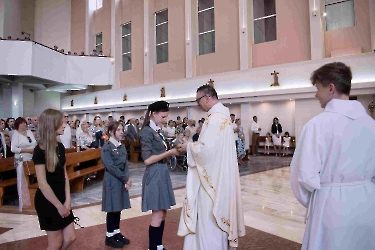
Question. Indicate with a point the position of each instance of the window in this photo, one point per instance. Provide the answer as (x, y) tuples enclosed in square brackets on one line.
[(264, 21), (126, 46), (206, 26), (161, 20), (339, 14), (99, 4), (99, 43)]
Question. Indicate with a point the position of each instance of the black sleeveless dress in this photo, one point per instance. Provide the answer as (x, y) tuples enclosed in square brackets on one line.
[(49, 217)]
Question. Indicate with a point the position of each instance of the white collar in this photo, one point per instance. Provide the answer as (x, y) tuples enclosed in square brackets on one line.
[(352, 109), (154, 126), (219, 108), (115, 142)]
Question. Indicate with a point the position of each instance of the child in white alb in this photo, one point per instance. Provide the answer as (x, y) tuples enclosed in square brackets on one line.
[(286, 143)]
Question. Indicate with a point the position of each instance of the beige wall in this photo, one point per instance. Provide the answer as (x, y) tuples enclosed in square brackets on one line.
[(28, 17), (352, 37), (52, 23), (175, 67), (102, 23), (78, 20), (132, 10), (226, 57), (293, 36)]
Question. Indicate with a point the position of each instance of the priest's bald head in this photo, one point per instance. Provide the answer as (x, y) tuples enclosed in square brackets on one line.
[(206, 97)]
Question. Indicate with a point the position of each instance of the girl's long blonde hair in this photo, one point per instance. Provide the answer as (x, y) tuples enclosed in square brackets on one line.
[(49, 121)]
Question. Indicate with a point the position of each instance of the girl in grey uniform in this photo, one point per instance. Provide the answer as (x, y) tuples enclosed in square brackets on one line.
[(157, 192), (116, 184)]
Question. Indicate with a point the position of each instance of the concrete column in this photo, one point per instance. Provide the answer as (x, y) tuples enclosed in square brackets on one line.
[(248, 6), (188, 40), (244, 47), (372, 23), (246, 122), (17, 100), (10, 21), (116, 45), (189, 112), (149, 44), (317, 29), (88, 117), (89, 34)]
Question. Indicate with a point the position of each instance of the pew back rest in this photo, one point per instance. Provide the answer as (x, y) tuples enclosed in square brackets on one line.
[(82, 156), (6, 164), (73, 159)]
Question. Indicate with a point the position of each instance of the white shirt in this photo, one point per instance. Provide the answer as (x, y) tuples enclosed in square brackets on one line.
[(78, 133), (255, 127), (66, 138), (115, 142), (154, 126), (336, 148), (170, 131), (22, 142), (234, 125)]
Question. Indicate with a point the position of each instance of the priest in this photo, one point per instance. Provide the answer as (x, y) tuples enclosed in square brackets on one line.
[(212, 216), (333, 168)]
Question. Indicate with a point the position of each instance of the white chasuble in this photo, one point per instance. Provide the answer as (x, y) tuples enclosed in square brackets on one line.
[(213, 169), (332, 174)]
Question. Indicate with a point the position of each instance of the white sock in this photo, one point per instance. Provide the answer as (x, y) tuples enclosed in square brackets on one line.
[(110, 234), (117, 231), (160, 247)]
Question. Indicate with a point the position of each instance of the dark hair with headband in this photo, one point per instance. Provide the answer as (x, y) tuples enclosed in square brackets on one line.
[(159, 106)]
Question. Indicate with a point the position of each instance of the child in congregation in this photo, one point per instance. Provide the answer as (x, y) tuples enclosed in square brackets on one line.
[(286, 143), (267, 144), (187, 137), (179, 139)]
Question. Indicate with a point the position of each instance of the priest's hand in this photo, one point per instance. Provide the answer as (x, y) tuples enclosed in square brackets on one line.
[(174, 151), (182, 147)]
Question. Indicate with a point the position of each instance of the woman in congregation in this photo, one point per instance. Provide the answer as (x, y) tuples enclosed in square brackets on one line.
[(9, 126), (179, 128), (86, 137), (74, 131), (157, 191), (276, 130), (116, 184), (240, 143), (52, 199), (23, 144), (2, 126), (98, 129), (198, 131)]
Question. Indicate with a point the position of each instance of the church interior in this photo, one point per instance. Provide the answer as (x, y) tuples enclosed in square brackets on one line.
[(112, 58)]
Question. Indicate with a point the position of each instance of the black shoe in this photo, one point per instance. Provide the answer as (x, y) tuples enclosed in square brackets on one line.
[(113, 242), (122, 238)]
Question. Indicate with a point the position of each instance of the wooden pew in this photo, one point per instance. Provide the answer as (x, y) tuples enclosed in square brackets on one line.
[(70, 150), (262, 141), (6, 164), (30, 174), (77, 178), (135, 150)]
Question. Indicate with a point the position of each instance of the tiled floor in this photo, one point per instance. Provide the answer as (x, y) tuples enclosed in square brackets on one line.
[(268, 202)]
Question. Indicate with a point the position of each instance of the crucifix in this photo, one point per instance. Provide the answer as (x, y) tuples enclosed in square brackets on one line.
[(275, 79), (162, 92), (211, 83)]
